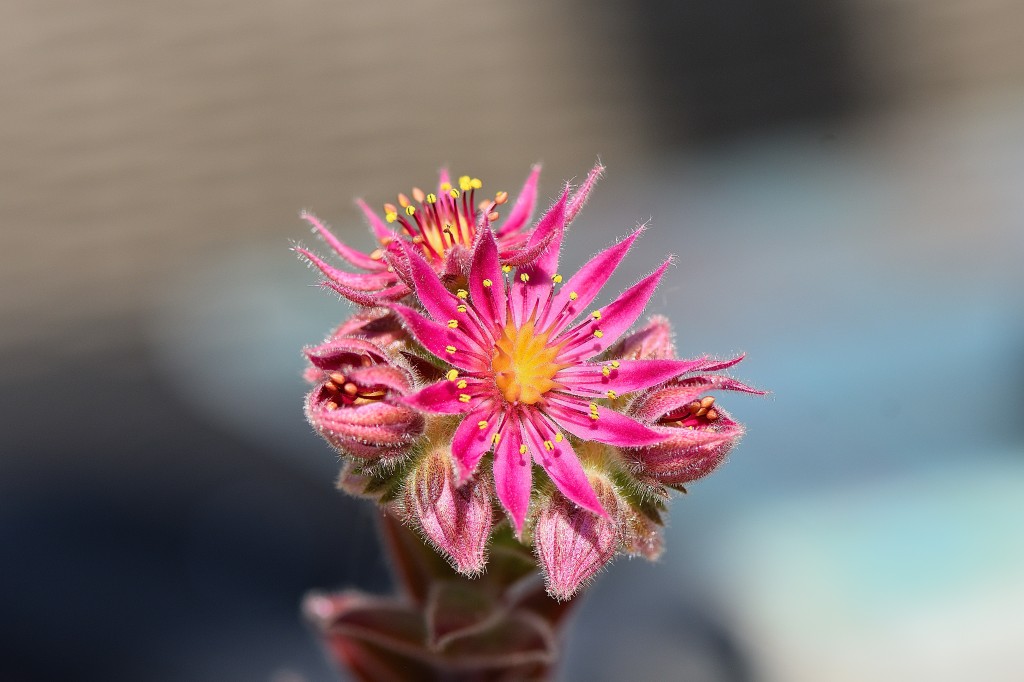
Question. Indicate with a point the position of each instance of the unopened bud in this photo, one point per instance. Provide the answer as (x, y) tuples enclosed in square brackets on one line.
[(651, 342), (572, 543), (456, 519)]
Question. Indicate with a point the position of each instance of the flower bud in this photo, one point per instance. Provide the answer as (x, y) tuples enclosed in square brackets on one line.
[(573, 543), (356, 402), (651, 342), (456, 519), (700, 432)]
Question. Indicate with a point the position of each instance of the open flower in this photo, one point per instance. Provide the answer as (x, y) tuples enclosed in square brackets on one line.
[(442, 226), (521, 369)]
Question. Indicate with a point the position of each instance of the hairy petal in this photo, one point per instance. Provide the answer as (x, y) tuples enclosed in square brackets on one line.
[(523, 208), (630, 375), (471, 442), (557, 458), (610, 427), (356, 258), (379, 227), (512, 473)]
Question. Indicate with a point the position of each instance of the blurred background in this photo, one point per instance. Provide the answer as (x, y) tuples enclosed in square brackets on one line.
[(841, 181)]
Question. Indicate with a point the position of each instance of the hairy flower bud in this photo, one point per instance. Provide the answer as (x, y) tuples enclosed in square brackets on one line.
[(653, 341), (356, 403), (456, 519), (573, 543), (701, 432)]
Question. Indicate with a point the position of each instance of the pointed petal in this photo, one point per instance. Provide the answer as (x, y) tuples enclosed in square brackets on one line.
[(562, 465), (581, 195), (454, 346), (512, 474), (470, 442), (610, 427), (614, 319), (489, 301), (529, 294), (438, 301), (369, 298), (442, 397), (360, 281), (523, 209), (630, 375), (356, 258), (586, 284), (379, 227)]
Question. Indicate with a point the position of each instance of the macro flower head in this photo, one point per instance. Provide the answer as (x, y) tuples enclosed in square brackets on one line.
[(442, 226), (521, 345)]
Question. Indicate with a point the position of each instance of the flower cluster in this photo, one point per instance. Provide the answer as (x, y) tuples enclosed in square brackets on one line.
[(480, 388)]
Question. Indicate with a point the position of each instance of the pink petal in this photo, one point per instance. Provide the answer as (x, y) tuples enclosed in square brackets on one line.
[(356, 258), (630, 375), (512, 474), (529, 296), (560, 462), (523, 209), (615, 318), (489, 301), (438, 301), (610, 427), (438, 338), (470, 442), (344, 351), (369, 298), (379, 227), (360, 281), (586, 283), (441, 397), (580, 197)]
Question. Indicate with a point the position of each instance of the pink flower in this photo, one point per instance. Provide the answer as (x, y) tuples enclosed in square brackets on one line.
[(443, 227), (700, 433), (522, 368)]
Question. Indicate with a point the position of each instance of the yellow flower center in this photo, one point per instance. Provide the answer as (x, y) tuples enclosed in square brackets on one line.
[(524, 364)]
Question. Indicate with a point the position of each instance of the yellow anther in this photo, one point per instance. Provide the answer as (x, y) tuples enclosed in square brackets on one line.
[(593, 407), (462, 293), (445, 186), (524, 277), (488, 282), (463, 397), (557, 279), (595, 416), (462, 384), (506, 269), (476, 183), (598, 333), (606, 371), (465, 184), (500, 198), (481, 424), (461, 308), (596, 314), (410, 210), (522, 449), (431, 198), (452, 374), (573, 295), (496, 438), (615, 364), (548, 445), (452, 324), (559, 438), (391, 217), (612, 395), (450, 349), (453, 193)]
